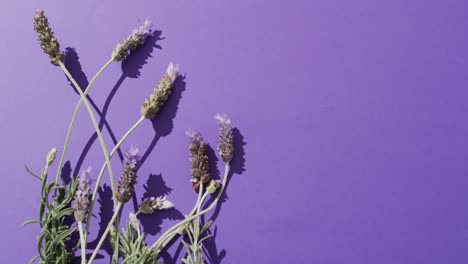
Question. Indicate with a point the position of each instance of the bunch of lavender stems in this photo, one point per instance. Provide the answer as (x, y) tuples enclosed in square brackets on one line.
[(149, 109)]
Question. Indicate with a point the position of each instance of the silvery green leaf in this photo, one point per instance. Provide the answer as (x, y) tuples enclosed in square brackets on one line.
[(206, 226)]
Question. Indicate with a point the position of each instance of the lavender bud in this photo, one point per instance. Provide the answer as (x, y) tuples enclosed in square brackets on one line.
[(49, 43), (200, 169), (214, 185), (158, 98), (81, 202), (51, 156), (152, 204), (126, 184), (226, 138), (138, 37)]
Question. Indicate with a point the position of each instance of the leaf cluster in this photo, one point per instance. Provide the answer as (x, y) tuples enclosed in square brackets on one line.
[(133, 248), (53, 213), (194, 250)]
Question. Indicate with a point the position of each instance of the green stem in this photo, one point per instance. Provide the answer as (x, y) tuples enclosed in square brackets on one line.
[(83, 243), (104, 235), (115, 255), (95, 123), (101, 172), (72, 123), (163, 237)]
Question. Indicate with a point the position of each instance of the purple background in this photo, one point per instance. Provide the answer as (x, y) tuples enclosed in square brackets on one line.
[(354, 115)]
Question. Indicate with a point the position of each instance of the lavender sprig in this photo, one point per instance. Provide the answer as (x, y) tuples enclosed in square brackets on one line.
[(126, 184), (158, 98), (138, 37), (49, 43), (200, 169), (80, 206), (226, 139), (81, 202)]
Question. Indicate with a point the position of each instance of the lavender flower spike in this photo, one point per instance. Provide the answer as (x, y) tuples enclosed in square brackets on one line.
[(158, 98), (138, 37), (152, 204), (49, 43), (226, 138), (126, 184), (200, 169), (81, 202)]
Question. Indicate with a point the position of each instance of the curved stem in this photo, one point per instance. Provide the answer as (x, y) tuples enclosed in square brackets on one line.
[(101, 172), (96, 126), (188, 219), (104, 235), (72, 123), (197, 205), (115, 255), (83, 243), (200, 203)]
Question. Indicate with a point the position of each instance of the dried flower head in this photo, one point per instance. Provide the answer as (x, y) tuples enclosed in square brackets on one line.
[(200, 169), (158, 98), (226, 138), (152, 204), (138, 37), (126, 184), (51, 156), (49, 43), (81, 202)]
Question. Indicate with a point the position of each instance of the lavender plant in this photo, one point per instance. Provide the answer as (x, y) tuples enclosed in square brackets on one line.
[(62, 202)]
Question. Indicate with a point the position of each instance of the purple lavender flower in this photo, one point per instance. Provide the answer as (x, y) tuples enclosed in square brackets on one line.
[(200, 169), (131, 157), (126, 184), (226, 138), (81, 202), (138, 37)]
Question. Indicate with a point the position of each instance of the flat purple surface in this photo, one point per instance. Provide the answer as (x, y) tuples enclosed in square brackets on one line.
[(353, 115)]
